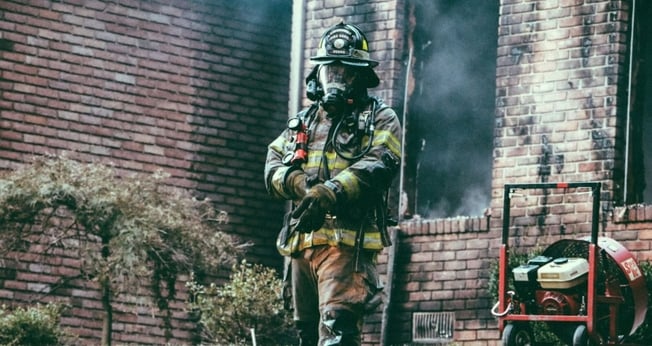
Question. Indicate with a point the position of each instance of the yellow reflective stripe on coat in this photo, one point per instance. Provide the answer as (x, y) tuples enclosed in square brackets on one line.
[(278, 182), (315, 159), (350, 183), (388, 139), (327, 236), (278, 144)]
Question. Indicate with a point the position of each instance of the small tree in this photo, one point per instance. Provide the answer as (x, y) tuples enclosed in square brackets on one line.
[(124, 228), (250, 300), (33, 326)]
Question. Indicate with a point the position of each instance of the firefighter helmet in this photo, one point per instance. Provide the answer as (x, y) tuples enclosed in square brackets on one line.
[(344, 43), (347, 44)]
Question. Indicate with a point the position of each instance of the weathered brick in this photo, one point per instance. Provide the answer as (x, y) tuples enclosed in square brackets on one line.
[(74, 56)]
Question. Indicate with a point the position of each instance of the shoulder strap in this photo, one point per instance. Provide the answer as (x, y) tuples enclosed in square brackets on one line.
[(380, 104), (307, 114)]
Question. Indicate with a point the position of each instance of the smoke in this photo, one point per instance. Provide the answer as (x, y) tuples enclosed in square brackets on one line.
[(451, 112), (472, 203)]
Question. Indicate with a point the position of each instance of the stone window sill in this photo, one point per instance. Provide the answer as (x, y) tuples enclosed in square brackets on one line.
[(633, 213)]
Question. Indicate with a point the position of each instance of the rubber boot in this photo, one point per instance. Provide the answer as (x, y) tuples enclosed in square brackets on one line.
[(308, 333), (340, 328)]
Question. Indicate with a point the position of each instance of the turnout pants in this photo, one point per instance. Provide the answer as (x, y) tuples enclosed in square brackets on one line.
[(330, 297)]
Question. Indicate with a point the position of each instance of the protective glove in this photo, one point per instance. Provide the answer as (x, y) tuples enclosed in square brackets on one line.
[(295, 183), (312, 209)]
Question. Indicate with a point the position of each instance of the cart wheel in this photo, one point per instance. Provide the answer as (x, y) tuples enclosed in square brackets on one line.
[(581, 336), (517, 335)]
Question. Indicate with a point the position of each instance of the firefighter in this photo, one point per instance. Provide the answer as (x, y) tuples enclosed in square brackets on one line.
[(335, 161)]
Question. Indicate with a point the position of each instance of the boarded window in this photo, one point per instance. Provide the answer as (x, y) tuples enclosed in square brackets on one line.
[(451, 109), (638, 176)]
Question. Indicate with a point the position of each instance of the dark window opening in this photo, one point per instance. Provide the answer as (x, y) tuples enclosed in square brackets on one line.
[(451, 112), (638, 184)]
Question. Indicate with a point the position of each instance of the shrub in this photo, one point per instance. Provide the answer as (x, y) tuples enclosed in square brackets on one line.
[(515, 260), (37, 325), (250, 300), (124, 228)]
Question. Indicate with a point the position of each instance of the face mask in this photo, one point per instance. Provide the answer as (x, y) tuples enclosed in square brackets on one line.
[(336, 81)]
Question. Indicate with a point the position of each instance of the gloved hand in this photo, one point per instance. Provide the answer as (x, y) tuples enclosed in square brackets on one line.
[(312, 209), (295, 183)]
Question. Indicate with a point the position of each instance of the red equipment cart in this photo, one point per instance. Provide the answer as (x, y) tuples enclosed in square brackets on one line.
[(589, 291)]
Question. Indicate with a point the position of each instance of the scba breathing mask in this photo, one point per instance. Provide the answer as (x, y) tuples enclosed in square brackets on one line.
[(337, 81)]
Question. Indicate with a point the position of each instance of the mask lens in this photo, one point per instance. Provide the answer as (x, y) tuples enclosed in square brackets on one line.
[(336, 81), (336, 75)]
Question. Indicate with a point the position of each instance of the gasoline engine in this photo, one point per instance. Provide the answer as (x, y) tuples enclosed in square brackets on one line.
[(552, 286)]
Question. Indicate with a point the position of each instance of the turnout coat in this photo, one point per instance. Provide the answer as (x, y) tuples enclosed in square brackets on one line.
[(361, 153)]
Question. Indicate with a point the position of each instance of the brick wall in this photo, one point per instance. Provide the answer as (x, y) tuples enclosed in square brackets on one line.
[(191, 87), (561, 76), (560, 101)]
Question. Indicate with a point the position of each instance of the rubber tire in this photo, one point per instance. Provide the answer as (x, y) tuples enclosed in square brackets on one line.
[(581, 336), (517, 335)]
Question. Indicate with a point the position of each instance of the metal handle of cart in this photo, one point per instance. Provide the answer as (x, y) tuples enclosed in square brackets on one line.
[(595, 189)]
